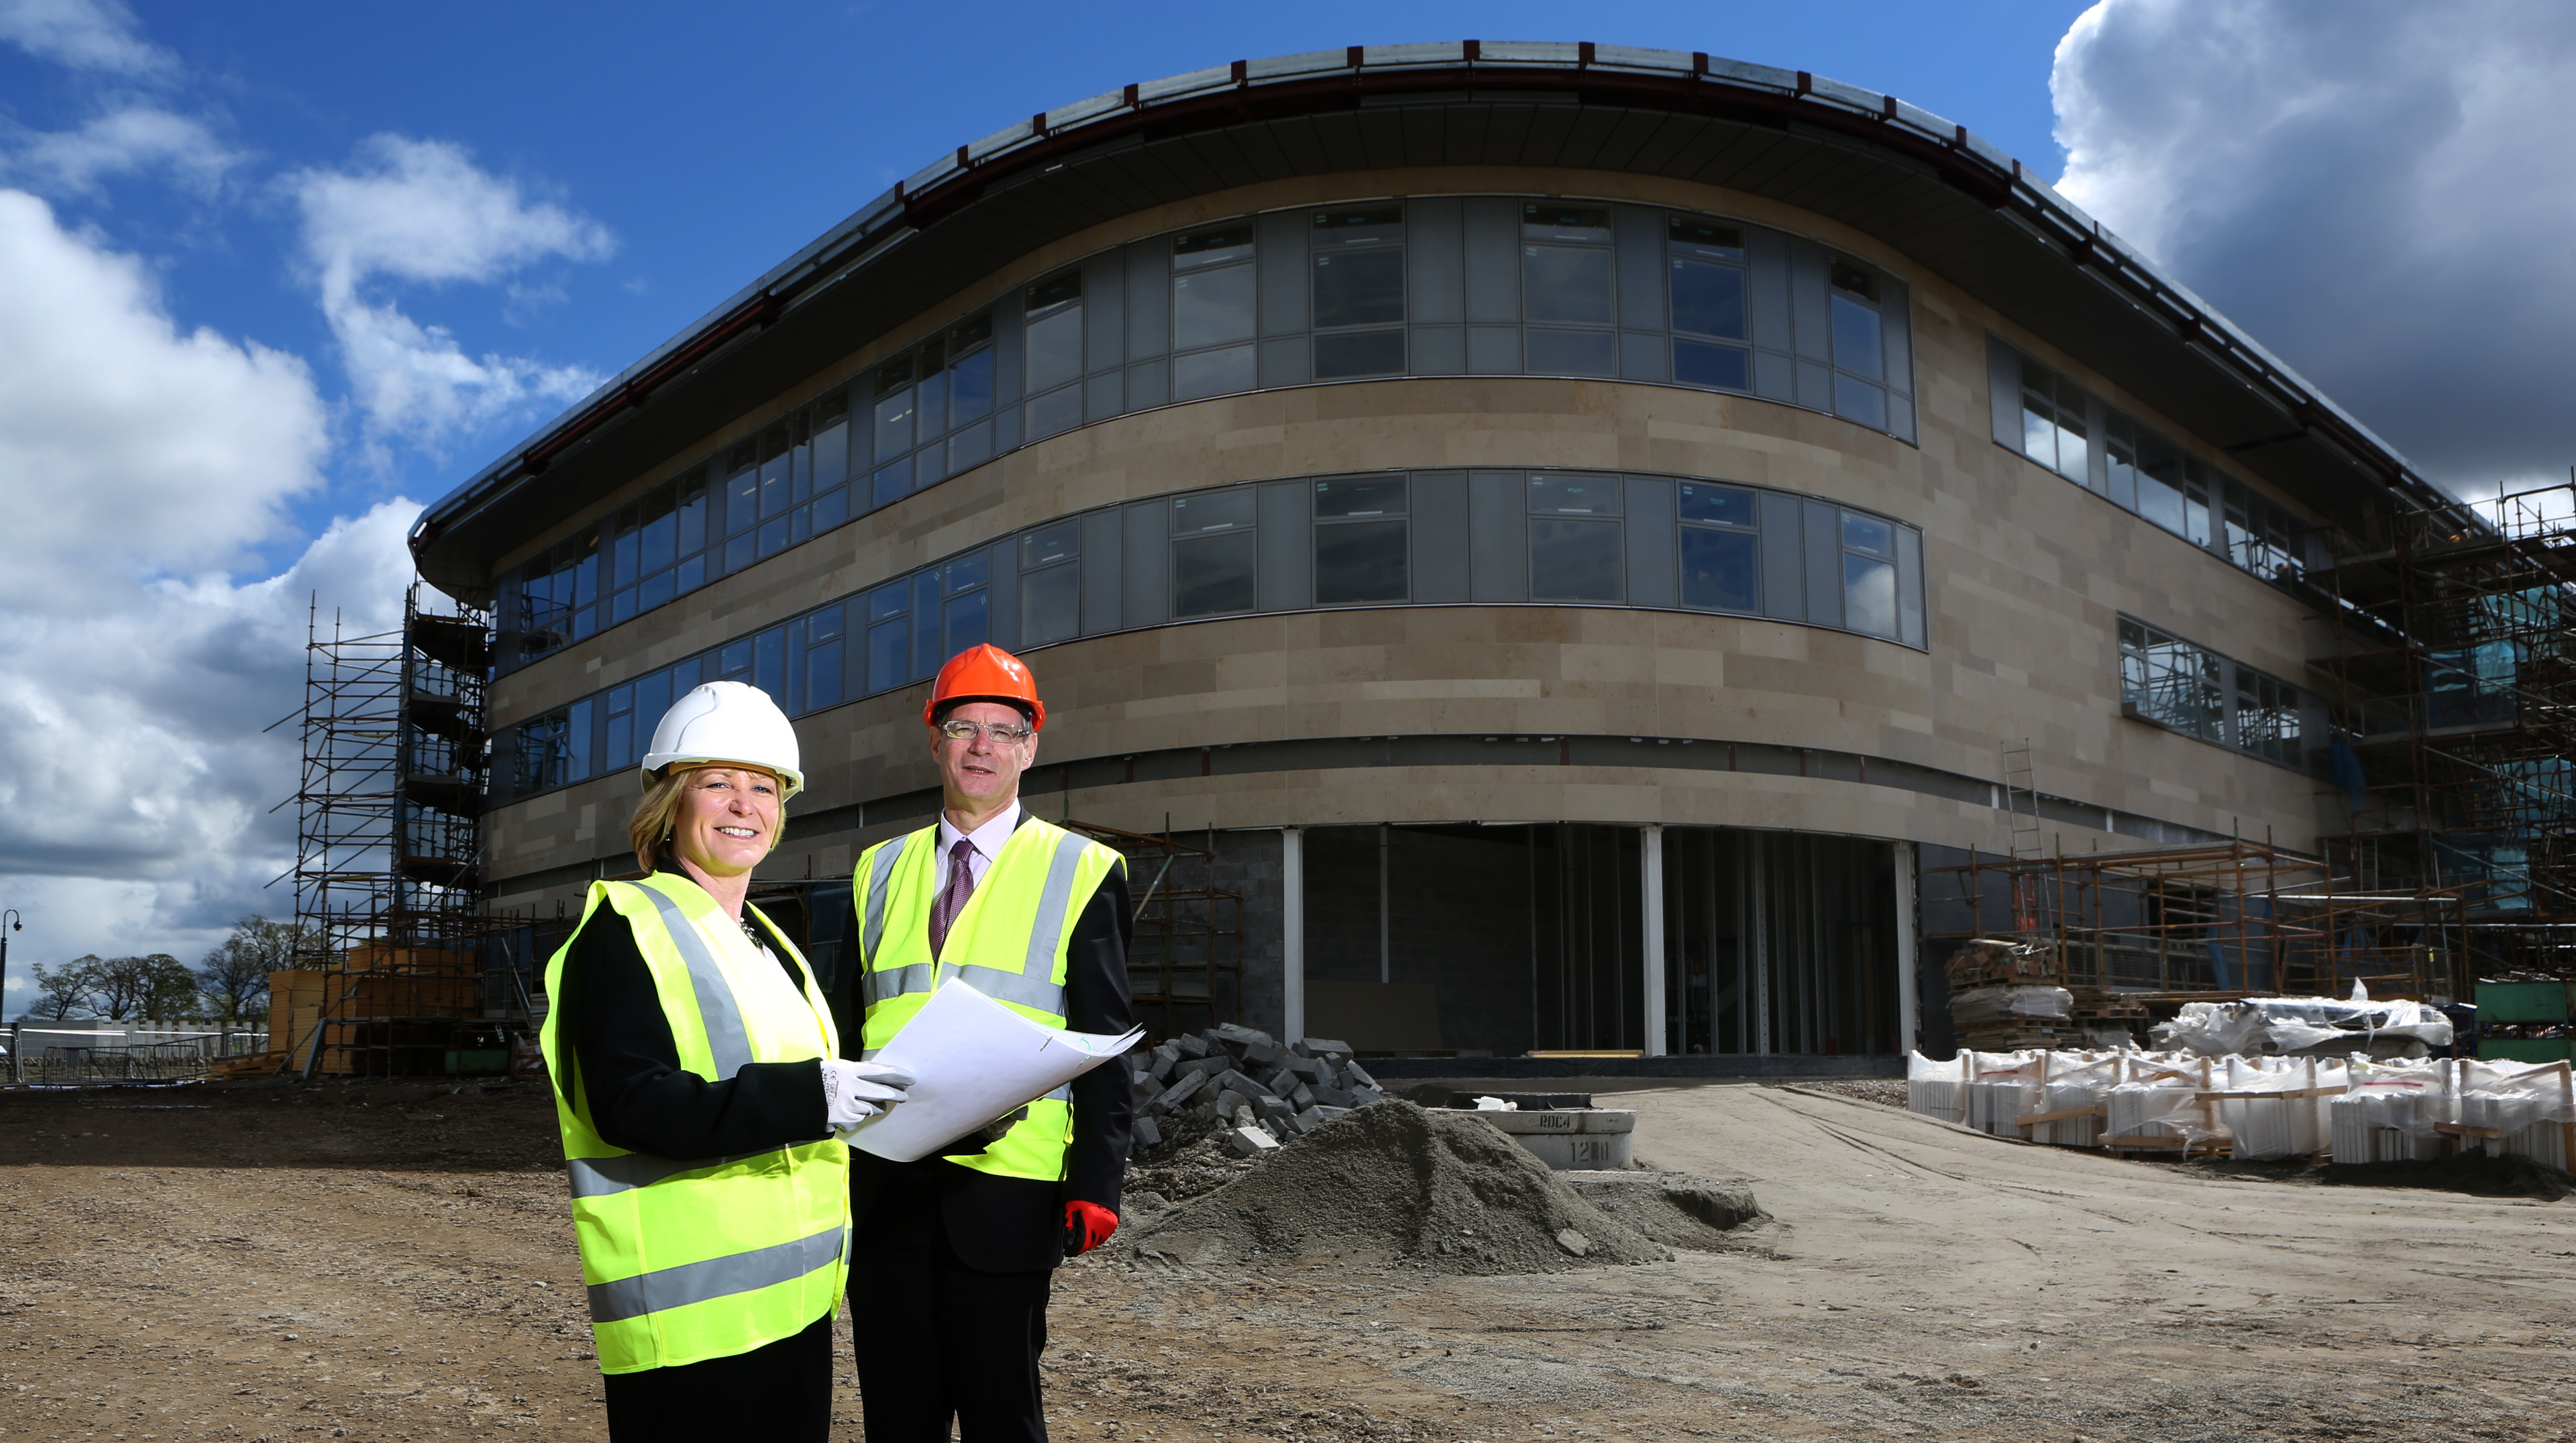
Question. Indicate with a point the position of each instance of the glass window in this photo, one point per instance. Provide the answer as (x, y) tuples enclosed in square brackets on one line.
[(1869, 595), (652, 698), (1210, 373), (2159, 479), (2053, 427), (926, 655), (1360, 561), (1723, 505), (1045, 547), (970, 370), (774, 471), (823, 659), (2195, 502), (1858, 347), (1572, 353), (894, 409), (1868, 535), (1359, 287), (1371, 496), (1553, 494), (1858, 400), (1211, 308), (660, 534), (1546, 221), (1724, 368), (621, 550), (621, 727), (1574, 560), (1054, 334), (1224, 245), (2169, 681), (1566, 285), (1708, 300), (967, 618), (1051, 604), (1057, 411), (1227, 510), (1709, 239), (1720, 569), (1359, 353), (1366, 225), (831, 441), (693, 514), (1213, 574), (742, 502)]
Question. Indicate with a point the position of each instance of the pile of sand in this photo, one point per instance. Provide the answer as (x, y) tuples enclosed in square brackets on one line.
[(1677, 1209), (1396, 1183)]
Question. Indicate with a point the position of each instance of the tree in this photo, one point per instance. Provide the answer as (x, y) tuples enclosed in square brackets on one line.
[(234, 977), (157, 988), (64, 991)]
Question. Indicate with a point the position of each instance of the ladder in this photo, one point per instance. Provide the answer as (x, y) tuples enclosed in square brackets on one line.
[(2021, 803)]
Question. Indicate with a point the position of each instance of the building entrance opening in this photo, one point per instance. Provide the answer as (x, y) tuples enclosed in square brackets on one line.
[(1778, 942), (1475, 940)]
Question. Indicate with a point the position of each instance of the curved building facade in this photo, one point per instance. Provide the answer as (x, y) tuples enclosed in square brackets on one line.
[(1574, 530)]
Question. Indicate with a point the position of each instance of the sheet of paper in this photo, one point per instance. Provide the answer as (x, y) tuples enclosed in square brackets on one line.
[(977, 1060)]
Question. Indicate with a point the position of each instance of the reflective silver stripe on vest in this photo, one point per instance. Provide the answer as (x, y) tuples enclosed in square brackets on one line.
[(1052, 904), (602, 1176), (666, 1288), (896, 981), (727, 1043), (879, 873)]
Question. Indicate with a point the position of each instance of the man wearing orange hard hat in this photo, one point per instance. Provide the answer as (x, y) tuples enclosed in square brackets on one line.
[(955, 1254)]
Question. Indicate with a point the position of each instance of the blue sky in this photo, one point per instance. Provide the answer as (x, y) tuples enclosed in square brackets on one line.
[(273, 275), (710, 143)]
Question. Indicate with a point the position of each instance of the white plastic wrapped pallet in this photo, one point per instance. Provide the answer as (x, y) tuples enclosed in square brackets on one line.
[(2275, 1109), (2000, 1087), (2073, 1083), (1933, 1088), (2162, 1101), (2391, 1112), (2531, 1108)]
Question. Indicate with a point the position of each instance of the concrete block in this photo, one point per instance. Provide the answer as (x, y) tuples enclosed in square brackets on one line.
[(1334, 1097), (1302, 1095), (1146, 1132), (1363, 1096), (1212, 1064), (1311, 1069), (1249, 1141), (1354, 1075), (1264, 1054), (1569, 1152), (1164, 1059), (1189, 1045), (1595, 1122), (1282, 1082), (1227, 1100), (1325, 1047), (1243, 1084), (1249, 1036), (1182, 1090), (1272, 1107)]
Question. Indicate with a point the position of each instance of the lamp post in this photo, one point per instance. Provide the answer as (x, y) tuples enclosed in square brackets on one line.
[(15, 923)]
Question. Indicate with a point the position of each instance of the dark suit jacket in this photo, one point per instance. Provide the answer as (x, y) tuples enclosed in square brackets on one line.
[(1016, 1225)]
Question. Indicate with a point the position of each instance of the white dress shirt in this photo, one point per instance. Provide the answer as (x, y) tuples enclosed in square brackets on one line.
[(987, 841)]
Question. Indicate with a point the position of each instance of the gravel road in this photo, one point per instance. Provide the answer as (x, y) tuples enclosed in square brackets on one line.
[(393, 1261)]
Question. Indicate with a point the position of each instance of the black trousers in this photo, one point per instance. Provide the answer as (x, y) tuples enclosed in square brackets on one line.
[(936, 1339), (781, 1391)]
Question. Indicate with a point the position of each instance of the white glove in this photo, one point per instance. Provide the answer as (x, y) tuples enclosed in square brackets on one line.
[(853, 1092)]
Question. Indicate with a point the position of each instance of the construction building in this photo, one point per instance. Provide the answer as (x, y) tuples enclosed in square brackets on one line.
[(1559, 546)]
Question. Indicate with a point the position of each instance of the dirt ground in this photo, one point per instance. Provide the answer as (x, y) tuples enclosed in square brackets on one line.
[(393, 1261)]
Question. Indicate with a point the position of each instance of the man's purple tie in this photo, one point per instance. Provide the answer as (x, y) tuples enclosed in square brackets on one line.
[(952, 898)]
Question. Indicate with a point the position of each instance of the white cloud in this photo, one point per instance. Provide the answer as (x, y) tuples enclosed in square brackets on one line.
[(2372, 189), (421, 211), (82, 35), (137, 462), (136, 138), (127, 448)]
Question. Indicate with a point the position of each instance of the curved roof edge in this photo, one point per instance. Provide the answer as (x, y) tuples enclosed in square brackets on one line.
[(1958, 156)]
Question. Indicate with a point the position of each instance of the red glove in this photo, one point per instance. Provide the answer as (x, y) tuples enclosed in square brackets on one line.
[(1086, 1226)]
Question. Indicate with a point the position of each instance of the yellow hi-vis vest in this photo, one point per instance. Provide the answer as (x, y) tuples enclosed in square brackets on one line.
[(687, 1259), (1009, 943)]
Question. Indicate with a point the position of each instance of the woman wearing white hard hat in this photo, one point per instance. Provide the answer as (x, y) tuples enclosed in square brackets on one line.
[(703, 1102)]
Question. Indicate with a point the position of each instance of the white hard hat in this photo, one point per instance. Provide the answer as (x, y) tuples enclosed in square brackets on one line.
[(726, 721)]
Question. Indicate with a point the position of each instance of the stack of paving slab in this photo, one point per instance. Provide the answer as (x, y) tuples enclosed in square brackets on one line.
[(1260, 1093)]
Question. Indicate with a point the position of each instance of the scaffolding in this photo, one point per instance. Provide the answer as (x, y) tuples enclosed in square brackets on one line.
[(389, 848), (1185, 960), (2226, 919), (2454, 666)]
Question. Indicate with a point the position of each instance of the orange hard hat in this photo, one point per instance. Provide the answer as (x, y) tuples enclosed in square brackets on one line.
[(986, 673)]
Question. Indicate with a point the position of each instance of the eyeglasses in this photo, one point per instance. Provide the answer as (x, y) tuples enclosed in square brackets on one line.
[(962, 730)]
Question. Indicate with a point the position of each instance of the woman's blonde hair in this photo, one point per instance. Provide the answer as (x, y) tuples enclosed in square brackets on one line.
[(650, 831)]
